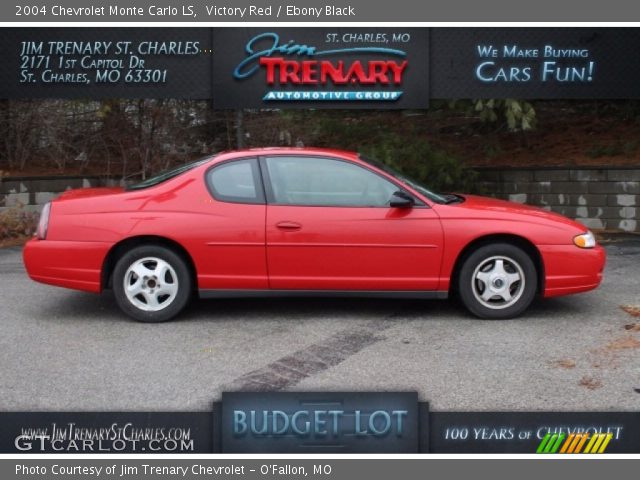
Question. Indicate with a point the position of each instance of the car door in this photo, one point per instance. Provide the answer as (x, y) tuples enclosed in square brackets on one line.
[(329, 226), (233, 255)]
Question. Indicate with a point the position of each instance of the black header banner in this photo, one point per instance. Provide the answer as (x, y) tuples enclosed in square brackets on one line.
[(320, 67)]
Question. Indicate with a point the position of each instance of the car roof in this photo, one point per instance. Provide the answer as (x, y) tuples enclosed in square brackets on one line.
[(289, 151)]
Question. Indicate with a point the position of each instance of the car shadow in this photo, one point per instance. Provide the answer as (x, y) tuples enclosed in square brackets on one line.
[(75, 306), (305, 307)]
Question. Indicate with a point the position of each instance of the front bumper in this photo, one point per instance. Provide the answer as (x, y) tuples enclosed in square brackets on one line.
[(570, 269)]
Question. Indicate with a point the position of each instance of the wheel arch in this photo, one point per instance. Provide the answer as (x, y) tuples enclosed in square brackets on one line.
[(513, 239), (127, 244)]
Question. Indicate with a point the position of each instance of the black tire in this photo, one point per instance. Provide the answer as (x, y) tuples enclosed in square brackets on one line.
[(483, 262), (181, 287)]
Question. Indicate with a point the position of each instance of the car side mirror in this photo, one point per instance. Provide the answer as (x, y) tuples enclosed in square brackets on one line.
[(401, 199)]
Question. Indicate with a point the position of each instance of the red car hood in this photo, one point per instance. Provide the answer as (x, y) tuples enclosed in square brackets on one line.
[(89, 192), (493, 204)]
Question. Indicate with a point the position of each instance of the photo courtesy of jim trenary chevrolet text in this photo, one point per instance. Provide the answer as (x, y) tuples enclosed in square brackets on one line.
[(329, 240)]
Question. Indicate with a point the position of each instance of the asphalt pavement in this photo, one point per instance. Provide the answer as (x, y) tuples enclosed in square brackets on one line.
[(73, 351)]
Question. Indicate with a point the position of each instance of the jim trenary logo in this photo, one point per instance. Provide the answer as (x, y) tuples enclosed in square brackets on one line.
[(300, 72)]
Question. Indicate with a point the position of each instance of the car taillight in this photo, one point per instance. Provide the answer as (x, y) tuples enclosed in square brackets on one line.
[(43, 224)]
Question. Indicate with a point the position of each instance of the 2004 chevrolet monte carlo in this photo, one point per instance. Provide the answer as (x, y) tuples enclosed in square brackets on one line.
[(302, 221)]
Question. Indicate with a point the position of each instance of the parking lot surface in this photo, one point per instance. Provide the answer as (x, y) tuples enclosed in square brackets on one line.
[(66, 350)]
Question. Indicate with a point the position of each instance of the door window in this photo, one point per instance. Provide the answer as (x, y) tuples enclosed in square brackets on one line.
[(316, 181)]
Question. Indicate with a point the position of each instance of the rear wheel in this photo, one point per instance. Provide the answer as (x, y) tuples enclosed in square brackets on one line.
[(497, 281), (151, 283)]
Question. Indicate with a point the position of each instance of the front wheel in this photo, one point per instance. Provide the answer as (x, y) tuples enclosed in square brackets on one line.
[(151, 283), (497, 281)]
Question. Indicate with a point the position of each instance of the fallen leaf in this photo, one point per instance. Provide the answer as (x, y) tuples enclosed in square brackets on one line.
[(634, 327), (590, 383), (622, 343), (564, 363), (633, 310)]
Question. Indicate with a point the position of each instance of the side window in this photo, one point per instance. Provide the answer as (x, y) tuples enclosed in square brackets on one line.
[(314, 181), (236, 181)]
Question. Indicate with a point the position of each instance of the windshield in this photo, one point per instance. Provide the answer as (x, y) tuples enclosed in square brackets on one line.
[(168, 174), (411, 182)]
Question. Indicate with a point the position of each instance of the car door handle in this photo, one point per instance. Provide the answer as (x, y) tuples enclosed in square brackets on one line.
[(288, 225)]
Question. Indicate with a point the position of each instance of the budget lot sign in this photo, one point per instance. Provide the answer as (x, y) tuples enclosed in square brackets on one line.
[(320, 422)]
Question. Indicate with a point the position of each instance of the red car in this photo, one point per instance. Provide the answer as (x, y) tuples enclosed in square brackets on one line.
[(288, 221)]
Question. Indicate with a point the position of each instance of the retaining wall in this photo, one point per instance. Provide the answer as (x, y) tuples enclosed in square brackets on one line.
[(600, 198), (31, 193)]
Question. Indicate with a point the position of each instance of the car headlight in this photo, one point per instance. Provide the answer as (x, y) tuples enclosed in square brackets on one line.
[(43, 224), (586, 240)]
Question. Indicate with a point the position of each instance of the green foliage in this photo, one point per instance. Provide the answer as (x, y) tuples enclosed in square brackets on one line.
[(419, 159), (346, 133), (627, 149), (492, 150), (630, 148), (516, 115)]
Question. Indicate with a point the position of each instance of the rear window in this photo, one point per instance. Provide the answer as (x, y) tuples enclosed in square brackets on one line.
[(168, 174), (236, 181)]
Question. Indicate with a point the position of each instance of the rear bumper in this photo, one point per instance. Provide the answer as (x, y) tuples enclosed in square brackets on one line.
[(76, 265), (569, 269)]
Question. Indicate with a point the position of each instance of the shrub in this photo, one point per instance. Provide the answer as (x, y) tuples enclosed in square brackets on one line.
[(16, 222), (436, 168), (515, 115)]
